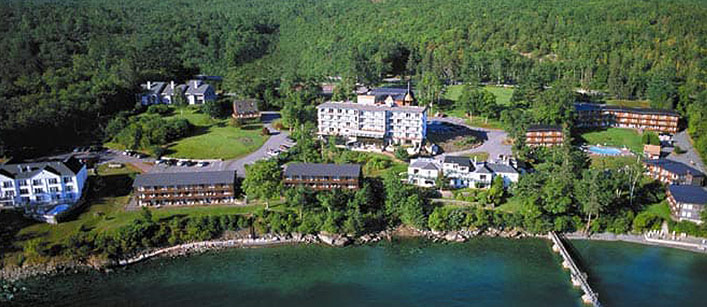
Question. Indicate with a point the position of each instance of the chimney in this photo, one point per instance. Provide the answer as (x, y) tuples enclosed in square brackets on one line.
[(194, 82), (171, 84), (149, 85)]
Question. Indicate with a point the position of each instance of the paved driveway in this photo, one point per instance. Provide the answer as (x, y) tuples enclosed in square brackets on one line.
[(690, 157), (493, 144)]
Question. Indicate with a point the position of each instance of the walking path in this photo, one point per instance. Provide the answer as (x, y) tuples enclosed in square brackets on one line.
[(655, 238)]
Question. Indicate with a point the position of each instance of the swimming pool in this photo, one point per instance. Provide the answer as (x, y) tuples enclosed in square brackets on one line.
[(58, 209), (606, 151)]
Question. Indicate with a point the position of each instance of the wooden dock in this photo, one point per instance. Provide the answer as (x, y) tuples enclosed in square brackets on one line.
[(579, 278)]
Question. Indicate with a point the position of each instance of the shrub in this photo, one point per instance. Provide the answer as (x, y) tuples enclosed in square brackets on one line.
[(264, 131), (401, 153), (160, 109)]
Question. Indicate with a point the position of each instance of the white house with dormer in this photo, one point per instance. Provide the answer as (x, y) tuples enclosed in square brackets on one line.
[(193, 91), (461, 172)]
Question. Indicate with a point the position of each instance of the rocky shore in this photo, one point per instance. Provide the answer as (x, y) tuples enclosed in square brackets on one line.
[(13, 274)]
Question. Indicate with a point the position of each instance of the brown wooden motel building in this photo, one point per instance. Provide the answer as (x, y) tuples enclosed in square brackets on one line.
[(318, 176), (544, 135), (185, 188)]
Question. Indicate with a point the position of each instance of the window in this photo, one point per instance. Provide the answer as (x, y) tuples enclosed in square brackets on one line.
[(25, 199), (53, 189), (69, 187), (7, 184), (67, 179), (23, 183), (10, 194), (38, 190), (24, 191), (37, 182), (52, 181)]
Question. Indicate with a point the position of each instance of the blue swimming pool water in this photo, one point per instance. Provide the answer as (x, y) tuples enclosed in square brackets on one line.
[(608, 151), (58, 209)]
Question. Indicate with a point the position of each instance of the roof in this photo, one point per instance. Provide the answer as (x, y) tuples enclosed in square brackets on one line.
[(321, 169), (544, 128), (463, 161), (197, 87), (501, 168), (371, 107), (601, 107), (689, 194), (185, 178), (168, 90), (651, 149), (155, 87), (483, 169), (424, 164), (245, 106), (674, 167), (67, 167)]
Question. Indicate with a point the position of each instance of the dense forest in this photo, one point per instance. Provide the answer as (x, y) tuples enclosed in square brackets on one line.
[(69, 66)]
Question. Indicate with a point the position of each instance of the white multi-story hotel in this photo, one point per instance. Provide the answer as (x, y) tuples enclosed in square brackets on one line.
[(48, 182), (369, 122)]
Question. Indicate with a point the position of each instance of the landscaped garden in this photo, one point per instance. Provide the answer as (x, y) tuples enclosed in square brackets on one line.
[(451, 95)]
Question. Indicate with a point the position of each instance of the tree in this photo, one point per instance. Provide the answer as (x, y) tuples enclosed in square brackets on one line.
[(263, 180), (592, 194), (214, 108), (402, 153), (651, 138), (179, 99), (496, 191)]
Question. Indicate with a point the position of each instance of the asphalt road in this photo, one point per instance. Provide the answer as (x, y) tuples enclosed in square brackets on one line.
[(493, 144), (690, 157)]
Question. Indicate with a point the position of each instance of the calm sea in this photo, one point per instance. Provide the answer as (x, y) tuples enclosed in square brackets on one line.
[(483, 272)]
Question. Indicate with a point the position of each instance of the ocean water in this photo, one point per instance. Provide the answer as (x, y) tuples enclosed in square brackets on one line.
[(483, 272)]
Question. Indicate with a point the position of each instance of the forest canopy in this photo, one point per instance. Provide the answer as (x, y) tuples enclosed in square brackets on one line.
[(69, 66)]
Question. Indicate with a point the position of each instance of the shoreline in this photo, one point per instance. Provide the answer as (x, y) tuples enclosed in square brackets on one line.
[(271, 240)]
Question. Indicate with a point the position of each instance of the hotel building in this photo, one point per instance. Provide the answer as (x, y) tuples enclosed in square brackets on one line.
[(318, 176), (185, 188), (591, 115), (544, 135)]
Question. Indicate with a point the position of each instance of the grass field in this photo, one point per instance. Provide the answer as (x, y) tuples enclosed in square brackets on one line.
[(617, 137), (660, 209), (215, 139), (503, 94), (601, 162), (629, 103), (512, 205)]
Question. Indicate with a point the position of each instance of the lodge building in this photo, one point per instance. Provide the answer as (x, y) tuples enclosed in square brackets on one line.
[(591, 115), (185, 188), (673, 172), (544, 135), (319, 176), (686, 202)]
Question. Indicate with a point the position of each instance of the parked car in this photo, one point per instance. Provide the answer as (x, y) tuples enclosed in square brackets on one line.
[(202, 164)]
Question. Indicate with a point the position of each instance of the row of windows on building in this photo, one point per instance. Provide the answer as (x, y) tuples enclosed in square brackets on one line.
[(23, 183)]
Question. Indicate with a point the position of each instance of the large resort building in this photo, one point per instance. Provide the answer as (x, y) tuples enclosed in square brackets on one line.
[(687, 202), (374, 122), (323, 176), (42, 183), (591, 115), (461, 172), (673, 172), (185, 188), (544, 135)]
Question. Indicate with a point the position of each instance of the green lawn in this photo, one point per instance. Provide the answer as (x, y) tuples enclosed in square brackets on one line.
[(602, 162), (660, 209), (512, 205), (215, 139), (452, 92), (616, 137), (629, 103), (503, 94)]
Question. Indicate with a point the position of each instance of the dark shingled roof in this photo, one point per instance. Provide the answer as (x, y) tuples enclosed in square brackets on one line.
[(424, 164), (544, 128), (328, 170), (674, 167), (67, 167), (185, 178), (200, 89), (501, 168), (463, 161), (689, 194)]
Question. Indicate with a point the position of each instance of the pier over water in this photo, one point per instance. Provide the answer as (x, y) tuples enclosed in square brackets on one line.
[(579, 278)]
